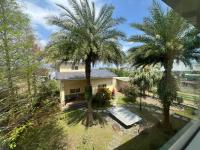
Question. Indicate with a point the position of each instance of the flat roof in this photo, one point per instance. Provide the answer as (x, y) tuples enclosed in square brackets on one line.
[(125, 116)]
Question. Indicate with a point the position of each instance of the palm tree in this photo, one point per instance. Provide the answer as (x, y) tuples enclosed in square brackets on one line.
[(87, 36), (144, 78), (167, 38)]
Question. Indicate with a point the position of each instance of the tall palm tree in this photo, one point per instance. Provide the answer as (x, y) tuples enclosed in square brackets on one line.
[(167, 38), (87, 36)]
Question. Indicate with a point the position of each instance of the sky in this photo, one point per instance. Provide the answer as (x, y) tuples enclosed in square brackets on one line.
[(132, 10), (38, 10)]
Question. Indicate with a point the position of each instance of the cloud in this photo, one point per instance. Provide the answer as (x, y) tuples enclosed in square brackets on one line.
[(126, 45), (38, 13), (43, 43)]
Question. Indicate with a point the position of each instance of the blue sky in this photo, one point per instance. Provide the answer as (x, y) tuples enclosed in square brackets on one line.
[(132, 10)]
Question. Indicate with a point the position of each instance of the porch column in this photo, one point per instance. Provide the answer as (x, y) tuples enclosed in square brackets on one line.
[(62, 94)]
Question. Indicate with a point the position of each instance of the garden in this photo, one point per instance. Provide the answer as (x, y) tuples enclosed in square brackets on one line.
[(108, 133), (30, 106)]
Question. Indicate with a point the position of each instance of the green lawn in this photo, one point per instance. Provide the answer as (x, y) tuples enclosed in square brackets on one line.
[(154, 137), (188, 96), (63, 130)]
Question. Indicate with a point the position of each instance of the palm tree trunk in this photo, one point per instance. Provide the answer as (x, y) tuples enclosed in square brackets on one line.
[(88, 94), (166, 104)]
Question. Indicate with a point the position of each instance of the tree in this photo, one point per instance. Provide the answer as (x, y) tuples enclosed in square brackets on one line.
[(12, 23), (87, 36), (144, 78), (29, 60), (167, 38), (14, 107)]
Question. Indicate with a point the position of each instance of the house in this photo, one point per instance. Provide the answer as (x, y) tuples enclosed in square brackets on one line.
[(73, 82)]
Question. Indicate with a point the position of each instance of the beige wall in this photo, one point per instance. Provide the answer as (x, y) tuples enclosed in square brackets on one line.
[(67, 67), (66, 85), (74, 84), (121, 84), (109, 84)]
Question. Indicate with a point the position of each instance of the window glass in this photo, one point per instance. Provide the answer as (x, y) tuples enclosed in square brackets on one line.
[(74, 67), (72, 91), (102, 86)]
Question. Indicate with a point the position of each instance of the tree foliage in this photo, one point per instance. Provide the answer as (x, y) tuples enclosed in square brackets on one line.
[(167, 38), (18, 65), (86, 36), (145, 79)]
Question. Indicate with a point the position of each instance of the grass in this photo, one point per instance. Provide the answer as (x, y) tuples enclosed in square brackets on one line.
[(188, 96), (122, 100), (96, 137), (63, 130), (188, 113), (148, 139)]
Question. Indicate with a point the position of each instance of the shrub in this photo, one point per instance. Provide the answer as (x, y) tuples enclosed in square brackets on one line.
[(179, 100), (131, 93), (102, 97), (47, 90)]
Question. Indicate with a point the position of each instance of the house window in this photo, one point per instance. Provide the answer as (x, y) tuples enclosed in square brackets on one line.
[(75, 91), (74, 67), (102, 86)]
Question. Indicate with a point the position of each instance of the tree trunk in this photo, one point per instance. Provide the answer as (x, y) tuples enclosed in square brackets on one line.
[(29, 84), (166, 119), (7, 58), (34, 84), (88, 121), (166, 104), (140, 103)]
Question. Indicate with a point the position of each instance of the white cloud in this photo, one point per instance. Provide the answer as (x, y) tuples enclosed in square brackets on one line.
[(43, 43), (38, 14), (126, 46)]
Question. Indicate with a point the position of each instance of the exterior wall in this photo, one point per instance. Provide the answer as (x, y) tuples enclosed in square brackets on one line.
[(66, 85), (120, 85), (67, 67), (73, 84), (109, 84)]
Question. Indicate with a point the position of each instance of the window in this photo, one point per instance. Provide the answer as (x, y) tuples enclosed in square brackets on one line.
[(74, 67), (102, 86), (74, 91)]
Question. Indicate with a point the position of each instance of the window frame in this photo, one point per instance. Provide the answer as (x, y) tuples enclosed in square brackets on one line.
[(75, 91), (102, 86)]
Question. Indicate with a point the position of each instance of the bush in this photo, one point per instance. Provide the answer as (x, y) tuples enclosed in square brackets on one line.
[(102, 97), (131, 93), (179, 100), (47, 90)]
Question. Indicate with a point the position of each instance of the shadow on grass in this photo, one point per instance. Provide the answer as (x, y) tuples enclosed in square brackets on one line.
[(74, 117), (48, 136), (152, 138)]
